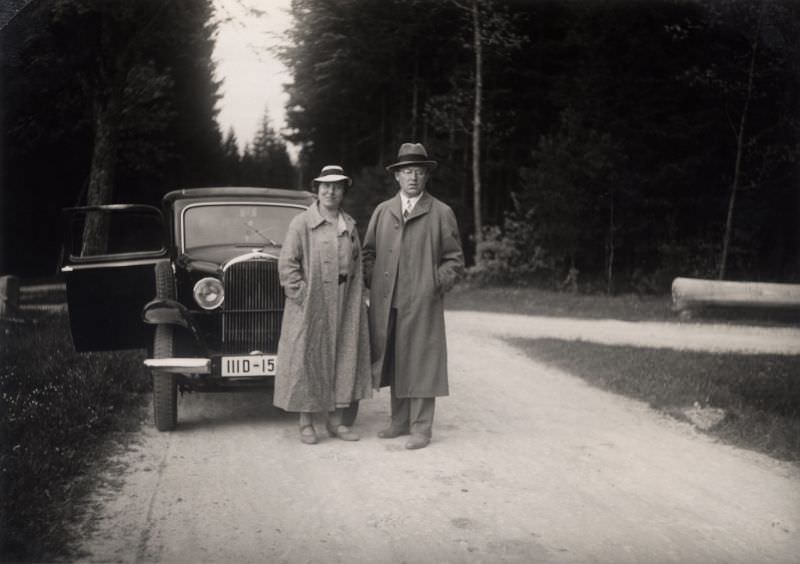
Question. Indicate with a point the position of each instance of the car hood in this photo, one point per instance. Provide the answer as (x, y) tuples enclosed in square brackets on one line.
[(212, 258)]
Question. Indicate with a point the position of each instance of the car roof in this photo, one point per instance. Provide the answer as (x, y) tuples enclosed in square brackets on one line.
[(273, 194)]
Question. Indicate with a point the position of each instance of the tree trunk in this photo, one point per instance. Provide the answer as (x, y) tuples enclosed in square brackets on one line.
[(382, 135), (101, 177), (476, 120), (689, 293), (737, 167), (451, 138), (465, 150), (415, 100), (610, 246)]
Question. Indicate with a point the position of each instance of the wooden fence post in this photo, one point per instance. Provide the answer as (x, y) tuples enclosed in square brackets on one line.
[(9, 296)]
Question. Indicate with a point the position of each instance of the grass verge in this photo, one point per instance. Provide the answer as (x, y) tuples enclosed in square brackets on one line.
[(759, 394), (533, 301), (57, 411), (625, 307)]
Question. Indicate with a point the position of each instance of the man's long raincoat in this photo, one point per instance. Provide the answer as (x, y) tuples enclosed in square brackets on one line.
[(419, 260)]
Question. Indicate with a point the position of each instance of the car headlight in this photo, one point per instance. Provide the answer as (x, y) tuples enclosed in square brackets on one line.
[(209, 293)]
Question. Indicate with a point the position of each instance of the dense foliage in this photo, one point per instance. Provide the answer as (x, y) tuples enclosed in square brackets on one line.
[(622, 143), (55, 408), (620, 138), (106, 102)]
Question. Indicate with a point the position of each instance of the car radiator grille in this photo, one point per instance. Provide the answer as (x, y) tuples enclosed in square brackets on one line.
[(253, 307)]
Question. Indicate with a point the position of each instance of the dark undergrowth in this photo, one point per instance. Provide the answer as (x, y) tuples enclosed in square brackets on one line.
[(760, 394), (58, 412)]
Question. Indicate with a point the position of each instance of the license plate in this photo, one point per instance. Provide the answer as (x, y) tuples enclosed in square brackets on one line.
[(250, 365)]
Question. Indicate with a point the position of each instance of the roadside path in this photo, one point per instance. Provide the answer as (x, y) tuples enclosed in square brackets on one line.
[(528, 464)]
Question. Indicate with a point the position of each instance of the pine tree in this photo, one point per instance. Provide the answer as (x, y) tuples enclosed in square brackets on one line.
[(269, 160)]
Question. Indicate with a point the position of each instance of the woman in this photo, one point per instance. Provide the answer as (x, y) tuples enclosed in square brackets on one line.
[(323, 354)]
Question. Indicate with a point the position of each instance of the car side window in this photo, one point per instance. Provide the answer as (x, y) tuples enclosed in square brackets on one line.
[(101, 232)]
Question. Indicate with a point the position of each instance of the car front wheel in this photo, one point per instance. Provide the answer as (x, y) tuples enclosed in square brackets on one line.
[(165, 386)]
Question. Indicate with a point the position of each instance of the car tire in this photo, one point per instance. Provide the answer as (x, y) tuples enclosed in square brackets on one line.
[(165, 384), (349, 414), (165, 281)]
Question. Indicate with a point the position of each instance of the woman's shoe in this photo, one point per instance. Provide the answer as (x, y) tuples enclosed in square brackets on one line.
[(308, 435), (343, 432)]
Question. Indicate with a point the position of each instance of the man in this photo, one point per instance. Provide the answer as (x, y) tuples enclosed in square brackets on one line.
[(412, 257)]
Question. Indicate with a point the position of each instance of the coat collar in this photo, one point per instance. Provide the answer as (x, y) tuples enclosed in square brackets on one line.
[(315, 218), (422, 206)]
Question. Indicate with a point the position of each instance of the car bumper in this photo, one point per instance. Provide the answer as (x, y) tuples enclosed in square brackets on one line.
[(180, 365)]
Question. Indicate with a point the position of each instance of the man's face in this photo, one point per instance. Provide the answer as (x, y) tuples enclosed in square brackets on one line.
[(412, 180)]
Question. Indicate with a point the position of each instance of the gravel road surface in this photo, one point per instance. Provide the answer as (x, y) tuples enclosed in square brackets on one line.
[(528, 464)]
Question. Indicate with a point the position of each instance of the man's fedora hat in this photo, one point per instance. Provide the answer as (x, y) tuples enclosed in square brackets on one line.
[(412, 154), (331, 173)]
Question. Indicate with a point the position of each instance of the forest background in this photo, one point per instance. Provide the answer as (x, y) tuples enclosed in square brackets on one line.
[(619, 143)]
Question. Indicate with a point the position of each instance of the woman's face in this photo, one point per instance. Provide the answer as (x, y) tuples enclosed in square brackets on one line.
[(331, 194)]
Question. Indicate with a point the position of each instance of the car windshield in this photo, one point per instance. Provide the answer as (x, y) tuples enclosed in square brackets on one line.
[(249, 225)]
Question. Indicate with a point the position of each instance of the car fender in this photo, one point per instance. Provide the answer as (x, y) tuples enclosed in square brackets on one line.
[(164, 311)]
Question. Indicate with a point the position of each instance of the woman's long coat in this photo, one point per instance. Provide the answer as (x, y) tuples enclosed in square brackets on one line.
[(412, 264), (315, 373)]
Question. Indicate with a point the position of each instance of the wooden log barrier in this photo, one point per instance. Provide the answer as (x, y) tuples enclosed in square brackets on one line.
[(692, 293), (9, 296)]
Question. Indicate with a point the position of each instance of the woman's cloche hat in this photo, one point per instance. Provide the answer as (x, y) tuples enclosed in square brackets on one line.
[(332, 173), (412, 154)]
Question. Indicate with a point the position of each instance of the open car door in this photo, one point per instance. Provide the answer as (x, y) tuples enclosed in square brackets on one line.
[(108, 263)]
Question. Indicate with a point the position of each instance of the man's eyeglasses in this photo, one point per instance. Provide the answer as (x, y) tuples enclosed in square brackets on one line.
[(411, 171)]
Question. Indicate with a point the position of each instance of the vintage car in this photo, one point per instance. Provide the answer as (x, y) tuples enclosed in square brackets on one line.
[(195, 283)]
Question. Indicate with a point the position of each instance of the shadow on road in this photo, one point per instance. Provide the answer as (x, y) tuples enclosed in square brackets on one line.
[(214, 410)]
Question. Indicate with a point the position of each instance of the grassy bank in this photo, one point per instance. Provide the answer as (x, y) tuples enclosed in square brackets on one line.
[(758, 395), (625, 307), (533, 301), (57, 410)]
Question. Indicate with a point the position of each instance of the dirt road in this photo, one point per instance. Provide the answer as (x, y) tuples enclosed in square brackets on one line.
[(528, 464)]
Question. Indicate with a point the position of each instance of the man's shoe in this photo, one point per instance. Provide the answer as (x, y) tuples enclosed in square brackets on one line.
[(417, 441), (343, 432), (391, 433), (308, 435)]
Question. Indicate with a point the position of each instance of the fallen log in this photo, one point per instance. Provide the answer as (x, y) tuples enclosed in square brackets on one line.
[(9, 296), (694, 293)]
